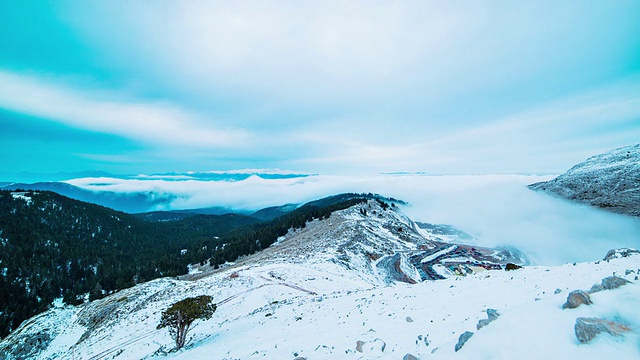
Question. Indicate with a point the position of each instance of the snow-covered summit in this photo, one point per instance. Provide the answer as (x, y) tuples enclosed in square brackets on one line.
[(610, 181)]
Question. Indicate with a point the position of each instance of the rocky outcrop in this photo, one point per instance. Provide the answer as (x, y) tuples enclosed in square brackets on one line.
[(620, 253), (595, 288), (577, 298), (613, 282), (610, 181), (511, 267), (409, 357), (587, 329), (463, 340), (492, 314)]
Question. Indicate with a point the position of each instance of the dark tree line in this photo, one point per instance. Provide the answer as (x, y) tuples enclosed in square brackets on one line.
[(250, 239), (53, 247)]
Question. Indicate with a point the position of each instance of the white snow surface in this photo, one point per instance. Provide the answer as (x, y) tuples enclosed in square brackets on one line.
[(22, 196), (297, 300)]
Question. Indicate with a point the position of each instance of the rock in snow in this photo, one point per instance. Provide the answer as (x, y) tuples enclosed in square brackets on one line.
[(620, 253), (610, 181), (577, 298), (595, 288), (613, 282), (492, 314), (463, 340), (587, 329), (376, 346)]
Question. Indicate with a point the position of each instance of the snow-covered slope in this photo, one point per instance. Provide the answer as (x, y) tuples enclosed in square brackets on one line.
[(610, 181), (322, 293)]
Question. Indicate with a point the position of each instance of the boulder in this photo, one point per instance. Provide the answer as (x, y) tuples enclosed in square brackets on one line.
[(511, 266), (371, 347), (577, 298), (595, 288), (492, 314), (587, 329), (463, 339), (409, 357), (613, 282)]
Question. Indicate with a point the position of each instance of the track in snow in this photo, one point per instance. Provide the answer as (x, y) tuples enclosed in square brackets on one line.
[(114, 349)]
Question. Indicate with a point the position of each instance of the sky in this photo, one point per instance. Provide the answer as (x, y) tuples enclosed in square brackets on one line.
[(330, 87)]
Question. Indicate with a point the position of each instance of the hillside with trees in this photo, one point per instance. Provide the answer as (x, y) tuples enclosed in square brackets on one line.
[(53, 247)]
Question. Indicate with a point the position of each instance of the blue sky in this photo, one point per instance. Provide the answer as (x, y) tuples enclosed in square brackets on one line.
[(331, 87)]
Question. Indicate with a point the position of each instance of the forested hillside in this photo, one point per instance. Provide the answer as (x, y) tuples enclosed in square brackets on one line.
[(54, 247)]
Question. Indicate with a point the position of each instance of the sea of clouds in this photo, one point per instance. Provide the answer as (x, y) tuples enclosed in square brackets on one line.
[(494, 209)]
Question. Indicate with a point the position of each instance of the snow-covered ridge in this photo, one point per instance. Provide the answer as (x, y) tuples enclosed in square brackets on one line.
[(321, 293), (610, 181)]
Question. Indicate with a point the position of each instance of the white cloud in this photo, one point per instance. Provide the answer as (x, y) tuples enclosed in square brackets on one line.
[(156, 123), (353, 52), (496, 209), (547, 137), (347, 87)]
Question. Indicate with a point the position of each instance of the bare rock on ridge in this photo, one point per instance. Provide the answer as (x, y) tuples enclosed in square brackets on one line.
[(492, 314), (613, 282), (620, 253), (463, 340), (587, 329), (577, 298)]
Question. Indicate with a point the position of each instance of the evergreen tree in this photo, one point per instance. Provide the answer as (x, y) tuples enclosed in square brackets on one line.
[(180, 316)]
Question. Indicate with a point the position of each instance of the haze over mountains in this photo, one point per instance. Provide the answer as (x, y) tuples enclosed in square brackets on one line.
[(135, 201)]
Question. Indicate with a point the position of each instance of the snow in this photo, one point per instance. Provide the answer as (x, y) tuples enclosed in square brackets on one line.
[(297, 300), (22, 196), (436, 254), (271, 320), (57, 303), (194, 269)]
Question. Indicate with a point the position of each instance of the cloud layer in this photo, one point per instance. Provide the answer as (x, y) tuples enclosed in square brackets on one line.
[(496, 209), (328, 86)]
